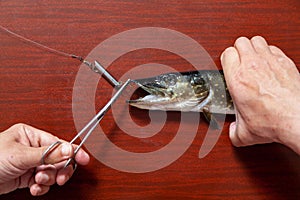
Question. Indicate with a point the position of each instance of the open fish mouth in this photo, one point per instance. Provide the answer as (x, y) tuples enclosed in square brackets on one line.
[(155, 99), (173, 92)]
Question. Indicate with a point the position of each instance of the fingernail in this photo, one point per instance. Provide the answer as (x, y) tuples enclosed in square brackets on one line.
[(85, 154), (38, 190), (66, 178), (62, 180), (232, 128), (232, 124), (66, 149), (45, 178)]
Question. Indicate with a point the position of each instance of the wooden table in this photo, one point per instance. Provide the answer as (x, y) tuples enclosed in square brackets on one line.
[(37, 88)]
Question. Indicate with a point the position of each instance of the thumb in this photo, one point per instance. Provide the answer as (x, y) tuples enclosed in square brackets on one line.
[(32, 156), (240, 136), (233, 135)]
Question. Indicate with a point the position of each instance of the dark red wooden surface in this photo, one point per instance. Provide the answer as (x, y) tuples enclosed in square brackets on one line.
[(36, 88)]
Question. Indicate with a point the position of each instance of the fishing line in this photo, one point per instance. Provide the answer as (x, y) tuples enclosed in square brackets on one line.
[(96, 66), (39, 45)]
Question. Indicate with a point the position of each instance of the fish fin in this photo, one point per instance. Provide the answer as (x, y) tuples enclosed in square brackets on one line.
[(210, 118)]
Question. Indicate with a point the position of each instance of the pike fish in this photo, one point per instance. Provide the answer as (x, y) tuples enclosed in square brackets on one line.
[(193, 91)]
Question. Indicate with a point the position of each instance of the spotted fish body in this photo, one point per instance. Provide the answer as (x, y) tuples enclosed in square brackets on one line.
[(195, 91)]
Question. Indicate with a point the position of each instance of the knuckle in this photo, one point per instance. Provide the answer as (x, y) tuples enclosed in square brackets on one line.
[(19, 125), (236, 81), (19, 128)]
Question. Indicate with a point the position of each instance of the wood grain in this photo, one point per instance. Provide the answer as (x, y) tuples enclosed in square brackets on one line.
[(36, 88)]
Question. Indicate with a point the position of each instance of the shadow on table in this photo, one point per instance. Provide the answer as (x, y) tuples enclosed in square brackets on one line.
[(274, 169)]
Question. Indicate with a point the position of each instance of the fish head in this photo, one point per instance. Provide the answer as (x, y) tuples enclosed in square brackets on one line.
[(172, 91)]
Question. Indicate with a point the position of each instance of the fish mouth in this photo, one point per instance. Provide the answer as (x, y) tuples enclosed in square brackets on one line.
[(155, 99), (178, 98)]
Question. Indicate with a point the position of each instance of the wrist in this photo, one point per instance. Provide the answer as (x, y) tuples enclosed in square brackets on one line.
[(289, 133)]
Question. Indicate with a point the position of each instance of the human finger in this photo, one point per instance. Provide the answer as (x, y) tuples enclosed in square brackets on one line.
[(232, 135), (62, 152), (33, 143), (64, 174), (240, 136), (244, 48), (282, 61), (230, 61), (45, 175), (32, 157), (82, 157), (260, 45), (37, 190), (276, 51), (32, 136), (281, 55)]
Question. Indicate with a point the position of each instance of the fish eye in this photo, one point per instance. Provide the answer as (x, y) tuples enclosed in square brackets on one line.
[(198, 80)]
